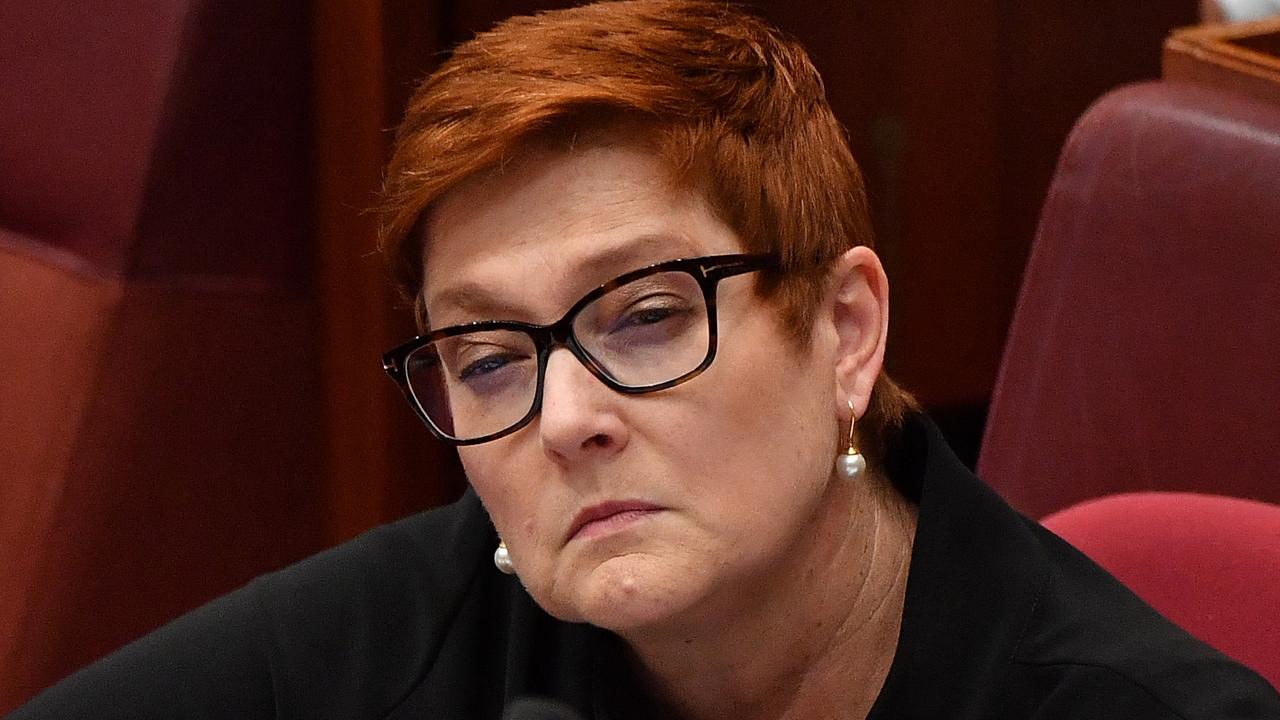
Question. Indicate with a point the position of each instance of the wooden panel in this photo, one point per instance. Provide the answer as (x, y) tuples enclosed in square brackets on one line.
[(1244, 57), (948, 320), (349, 150), (380, 462)]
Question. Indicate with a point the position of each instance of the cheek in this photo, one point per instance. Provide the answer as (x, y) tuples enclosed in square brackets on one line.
[(765, 438), (776, 402), (505, 498), (793, 413), (521, 501)]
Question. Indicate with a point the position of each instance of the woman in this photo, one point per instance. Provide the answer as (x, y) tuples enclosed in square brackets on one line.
[(656, 332)]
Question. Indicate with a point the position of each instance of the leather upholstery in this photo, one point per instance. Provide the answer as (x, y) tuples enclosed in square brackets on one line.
[(160, 405), (1210, 564), (1145, 348)]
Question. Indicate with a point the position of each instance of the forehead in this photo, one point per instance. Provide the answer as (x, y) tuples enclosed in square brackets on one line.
[(536, 234)]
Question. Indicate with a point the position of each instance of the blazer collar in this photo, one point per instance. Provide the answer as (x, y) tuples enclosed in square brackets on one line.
[(976, 570)]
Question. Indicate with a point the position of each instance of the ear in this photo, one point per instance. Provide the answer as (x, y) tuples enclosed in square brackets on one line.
[(859, 296)]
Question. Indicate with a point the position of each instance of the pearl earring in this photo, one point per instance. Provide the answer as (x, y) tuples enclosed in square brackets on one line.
[(851, 463), (502, 559)]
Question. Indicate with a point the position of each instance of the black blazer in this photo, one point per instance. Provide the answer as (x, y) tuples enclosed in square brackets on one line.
[(1002, 620)]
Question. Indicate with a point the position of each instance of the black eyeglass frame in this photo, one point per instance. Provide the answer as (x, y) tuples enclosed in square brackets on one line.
[(708, 271)]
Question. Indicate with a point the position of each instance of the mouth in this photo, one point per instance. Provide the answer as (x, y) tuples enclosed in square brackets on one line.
[(607, 517)]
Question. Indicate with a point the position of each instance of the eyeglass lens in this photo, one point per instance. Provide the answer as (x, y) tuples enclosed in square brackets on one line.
[(642, 333)]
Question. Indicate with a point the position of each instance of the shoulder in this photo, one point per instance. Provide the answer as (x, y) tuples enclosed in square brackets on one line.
[(434, 551), (361, 624), (344, 634), (1093, 649), (1103, 692)]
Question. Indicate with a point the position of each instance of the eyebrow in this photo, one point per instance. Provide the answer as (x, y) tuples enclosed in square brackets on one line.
[(604, 264)]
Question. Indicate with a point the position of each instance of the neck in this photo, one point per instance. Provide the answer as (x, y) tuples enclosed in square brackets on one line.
[(812, 637)]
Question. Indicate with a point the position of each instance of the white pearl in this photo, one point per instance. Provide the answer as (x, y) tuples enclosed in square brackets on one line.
[(502, 560), (851, 466)]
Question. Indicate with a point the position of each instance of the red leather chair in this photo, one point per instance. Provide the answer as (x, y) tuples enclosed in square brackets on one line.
[(1210, 564), (1145, 348), (160, 410)]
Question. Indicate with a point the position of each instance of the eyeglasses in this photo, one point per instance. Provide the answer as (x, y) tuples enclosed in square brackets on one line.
[(646, 330)]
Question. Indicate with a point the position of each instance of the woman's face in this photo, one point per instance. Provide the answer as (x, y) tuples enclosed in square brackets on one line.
[(700, 491)]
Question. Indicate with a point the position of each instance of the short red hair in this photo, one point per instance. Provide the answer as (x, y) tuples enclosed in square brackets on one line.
[(736, 109)]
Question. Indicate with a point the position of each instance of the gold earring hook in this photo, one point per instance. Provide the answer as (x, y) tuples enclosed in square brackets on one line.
[(853, 420)]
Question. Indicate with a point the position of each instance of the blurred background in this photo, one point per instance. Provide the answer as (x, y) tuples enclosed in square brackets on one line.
[(192, 313)]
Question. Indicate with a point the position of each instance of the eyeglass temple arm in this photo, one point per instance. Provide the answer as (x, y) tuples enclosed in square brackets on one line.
[(737, 265)]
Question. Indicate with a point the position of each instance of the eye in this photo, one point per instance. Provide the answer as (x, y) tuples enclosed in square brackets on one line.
[(485, 365), (647, 316), (649, 311), (421, 362)]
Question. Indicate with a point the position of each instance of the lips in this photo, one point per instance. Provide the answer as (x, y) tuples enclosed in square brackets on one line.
[(607, 515)]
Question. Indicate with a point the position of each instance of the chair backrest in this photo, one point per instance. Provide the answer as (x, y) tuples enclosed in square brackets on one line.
[(160, 419), (1210, 564), (1145, 349)]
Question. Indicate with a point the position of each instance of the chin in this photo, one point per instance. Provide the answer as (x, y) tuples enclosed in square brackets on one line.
[(635, 592)]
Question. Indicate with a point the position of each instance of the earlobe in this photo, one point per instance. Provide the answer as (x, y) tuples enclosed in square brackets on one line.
[(859, 295)]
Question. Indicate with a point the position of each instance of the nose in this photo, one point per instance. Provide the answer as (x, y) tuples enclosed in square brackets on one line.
[(579, 417)]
